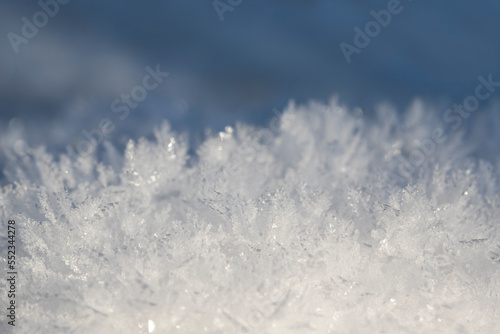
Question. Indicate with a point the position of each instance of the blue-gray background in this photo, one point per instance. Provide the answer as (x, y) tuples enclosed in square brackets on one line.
[(261, 55)]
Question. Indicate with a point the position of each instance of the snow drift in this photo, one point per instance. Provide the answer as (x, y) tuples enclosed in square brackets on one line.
[(319, 223)]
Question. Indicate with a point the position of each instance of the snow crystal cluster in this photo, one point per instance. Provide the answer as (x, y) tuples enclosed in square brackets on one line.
[(325, 221)]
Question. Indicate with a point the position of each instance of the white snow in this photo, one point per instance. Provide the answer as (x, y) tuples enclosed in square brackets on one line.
[(300, 227)]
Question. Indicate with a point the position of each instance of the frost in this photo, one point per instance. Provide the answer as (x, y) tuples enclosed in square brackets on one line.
[(314, 224)]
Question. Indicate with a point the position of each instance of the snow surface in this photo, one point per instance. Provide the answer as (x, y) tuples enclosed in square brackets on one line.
[(310, 225)]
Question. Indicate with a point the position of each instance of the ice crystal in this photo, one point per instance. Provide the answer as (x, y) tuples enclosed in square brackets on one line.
[(318, 223)]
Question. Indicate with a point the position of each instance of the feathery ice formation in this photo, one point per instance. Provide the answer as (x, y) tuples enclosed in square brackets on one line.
[(323, 222)]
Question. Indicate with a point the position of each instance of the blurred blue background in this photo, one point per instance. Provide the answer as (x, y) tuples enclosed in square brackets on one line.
[(261, 55)]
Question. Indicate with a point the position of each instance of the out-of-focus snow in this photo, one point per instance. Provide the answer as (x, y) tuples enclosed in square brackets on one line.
[(264, 53), (305, 226)]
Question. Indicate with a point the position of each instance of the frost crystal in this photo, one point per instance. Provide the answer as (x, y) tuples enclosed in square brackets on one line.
[(324, 222)]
